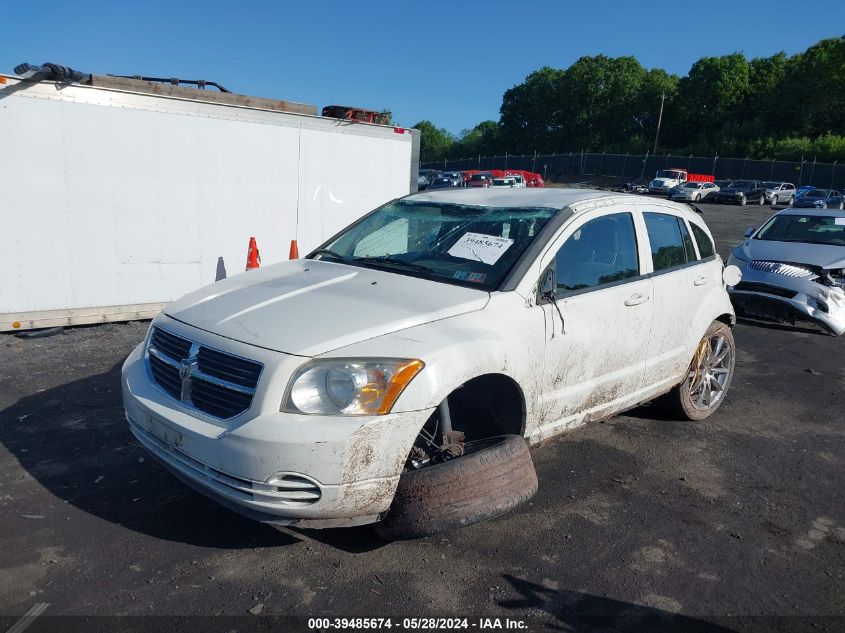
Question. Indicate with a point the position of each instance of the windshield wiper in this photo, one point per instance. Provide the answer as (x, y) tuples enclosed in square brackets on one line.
[(329, 253), (394, 261)]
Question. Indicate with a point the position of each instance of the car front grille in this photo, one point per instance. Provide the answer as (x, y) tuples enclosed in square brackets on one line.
[(780, 268), (748, 286), (219, 384)]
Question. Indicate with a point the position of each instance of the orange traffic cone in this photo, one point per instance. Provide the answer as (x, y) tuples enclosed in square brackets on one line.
[(294, 250), (253, 258)]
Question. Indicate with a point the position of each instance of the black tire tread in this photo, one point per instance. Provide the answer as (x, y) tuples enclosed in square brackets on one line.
[(461, 491)]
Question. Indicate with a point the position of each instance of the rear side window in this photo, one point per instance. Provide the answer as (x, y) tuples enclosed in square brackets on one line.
[(688, 247), (668, 248), (705, 244), (602, 251)]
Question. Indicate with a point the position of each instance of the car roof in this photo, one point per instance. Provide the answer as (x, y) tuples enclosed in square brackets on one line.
[(545, 197)]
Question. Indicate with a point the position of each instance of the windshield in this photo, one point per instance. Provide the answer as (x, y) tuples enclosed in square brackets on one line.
[(816, 193), (812, 229), (668, 173), (771, 185), (692, 185), (451, 243), (741, 184), (478, 177)]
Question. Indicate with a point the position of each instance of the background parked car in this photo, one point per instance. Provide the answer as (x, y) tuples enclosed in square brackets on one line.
[(442, 182), (721, 184), (694, 191), (456, 177), (802, 190), (793, 269), (426, 177), (507, 181), (640, 185), (820, 199), (481, 179), (779, 192), (742, 192)]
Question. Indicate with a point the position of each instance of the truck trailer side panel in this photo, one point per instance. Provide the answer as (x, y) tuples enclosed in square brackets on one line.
[(115, 202)]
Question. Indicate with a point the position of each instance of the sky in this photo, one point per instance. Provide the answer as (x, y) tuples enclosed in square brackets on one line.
[(448, 62)]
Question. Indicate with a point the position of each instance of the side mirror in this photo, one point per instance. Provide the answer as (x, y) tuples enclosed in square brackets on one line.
[(750, 231), (731, 275), (548, 284)]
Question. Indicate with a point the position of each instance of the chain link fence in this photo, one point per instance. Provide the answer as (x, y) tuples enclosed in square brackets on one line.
[(557, 167)]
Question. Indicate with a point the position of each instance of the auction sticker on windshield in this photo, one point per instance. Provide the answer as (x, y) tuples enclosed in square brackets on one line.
[(839, 221), (480, 247)]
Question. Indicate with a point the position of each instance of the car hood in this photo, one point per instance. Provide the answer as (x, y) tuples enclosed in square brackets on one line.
[(308, 307), (823, 255)]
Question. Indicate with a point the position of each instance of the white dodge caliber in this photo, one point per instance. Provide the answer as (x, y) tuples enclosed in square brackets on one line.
[(398, 372)]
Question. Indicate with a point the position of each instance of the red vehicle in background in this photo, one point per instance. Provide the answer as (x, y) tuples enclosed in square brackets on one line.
[(481, 179), (531, 179)]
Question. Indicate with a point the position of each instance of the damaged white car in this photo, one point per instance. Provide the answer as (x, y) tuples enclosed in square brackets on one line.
[(395, 374), (793, 269)]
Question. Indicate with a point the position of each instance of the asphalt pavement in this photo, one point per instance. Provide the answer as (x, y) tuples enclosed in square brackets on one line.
[(641, 522)]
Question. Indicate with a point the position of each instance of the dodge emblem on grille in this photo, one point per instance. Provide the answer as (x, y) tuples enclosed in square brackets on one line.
[(186, 370)]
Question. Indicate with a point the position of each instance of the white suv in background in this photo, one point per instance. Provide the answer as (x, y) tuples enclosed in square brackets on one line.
[(395, 374)]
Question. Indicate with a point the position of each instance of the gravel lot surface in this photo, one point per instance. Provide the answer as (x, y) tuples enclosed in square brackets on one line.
[(640, 522)]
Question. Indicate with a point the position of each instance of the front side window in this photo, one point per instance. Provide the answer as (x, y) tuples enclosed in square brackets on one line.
[(668, 243), (463, 245), (602, 251)]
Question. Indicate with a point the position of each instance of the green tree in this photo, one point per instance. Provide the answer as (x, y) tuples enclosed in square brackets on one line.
[(816, 89), (435, 142), (482, 140), (710, 98), (531, 111)]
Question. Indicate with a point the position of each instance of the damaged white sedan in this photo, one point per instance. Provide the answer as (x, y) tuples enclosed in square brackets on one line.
[(793, 269), (395, 374)]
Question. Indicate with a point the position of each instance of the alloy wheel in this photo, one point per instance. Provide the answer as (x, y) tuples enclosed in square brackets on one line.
[(710, 372)]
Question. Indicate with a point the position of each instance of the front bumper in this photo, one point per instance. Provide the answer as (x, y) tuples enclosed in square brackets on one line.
[(775, 297), (280, 468)]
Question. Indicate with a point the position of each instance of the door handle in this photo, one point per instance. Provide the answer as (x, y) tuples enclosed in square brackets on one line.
[(636, 299), (701, 281)]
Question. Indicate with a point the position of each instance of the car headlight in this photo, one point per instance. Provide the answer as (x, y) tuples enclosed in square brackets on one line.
[(350, 386)]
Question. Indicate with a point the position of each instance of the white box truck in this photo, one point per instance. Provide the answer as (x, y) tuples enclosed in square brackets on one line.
[(120, 195)]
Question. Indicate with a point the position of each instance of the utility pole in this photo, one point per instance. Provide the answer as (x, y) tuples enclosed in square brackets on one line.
[(659, 121)]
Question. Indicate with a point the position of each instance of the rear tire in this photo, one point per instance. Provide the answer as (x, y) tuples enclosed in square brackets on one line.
[(492, 478), (708, 378)]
